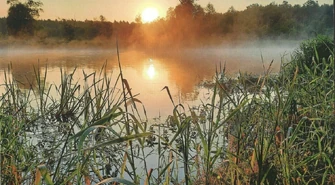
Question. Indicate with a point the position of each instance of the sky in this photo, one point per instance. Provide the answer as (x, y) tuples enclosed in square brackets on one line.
[(127, 10)]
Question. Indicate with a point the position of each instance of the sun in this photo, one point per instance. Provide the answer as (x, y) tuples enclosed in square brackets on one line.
[(149, 14)]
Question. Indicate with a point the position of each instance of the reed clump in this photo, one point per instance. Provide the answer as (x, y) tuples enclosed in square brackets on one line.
[(270, 129)]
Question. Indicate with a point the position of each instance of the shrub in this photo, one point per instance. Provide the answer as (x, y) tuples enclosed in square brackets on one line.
[(312, 52)]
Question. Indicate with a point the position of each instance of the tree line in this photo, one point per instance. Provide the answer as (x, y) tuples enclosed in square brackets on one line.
[(186, 24)]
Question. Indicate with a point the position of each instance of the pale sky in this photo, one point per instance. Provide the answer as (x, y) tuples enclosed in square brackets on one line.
[(128, 9)]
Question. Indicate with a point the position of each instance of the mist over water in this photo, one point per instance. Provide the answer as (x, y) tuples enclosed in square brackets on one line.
[(149, 70)]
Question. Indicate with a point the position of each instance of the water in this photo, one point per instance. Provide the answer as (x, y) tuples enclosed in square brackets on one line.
[(147, 72)]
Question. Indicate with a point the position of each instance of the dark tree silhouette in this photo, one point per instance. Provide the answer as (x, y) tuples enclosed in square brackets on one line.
[(19, 20), (210, 9), (186, 1), (68, 31), (21, 17)]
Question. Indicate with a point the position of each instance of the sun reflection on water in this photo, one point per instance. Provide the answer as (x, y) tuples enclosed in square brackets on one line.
[(150, 70)]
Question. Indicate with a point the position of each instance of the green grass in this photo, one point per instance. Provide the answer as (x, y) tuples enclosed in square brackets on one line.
[(268, 129)]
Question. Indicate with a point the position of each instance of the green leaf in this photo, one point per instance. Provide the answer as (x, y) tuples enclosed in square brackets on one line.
[(181, 129), (119, 180), (165, 168), (46, 175), (86, 133), (120, 140), (203, 140), (108, 116), (233, 113)]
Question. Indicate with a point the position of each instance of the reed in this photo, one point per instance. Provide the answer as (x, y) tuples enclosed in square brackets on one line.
[(268, 129)]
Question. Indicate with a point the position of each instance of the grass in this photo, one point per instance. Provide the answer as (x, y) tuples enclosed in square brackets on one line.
[(271, 129)]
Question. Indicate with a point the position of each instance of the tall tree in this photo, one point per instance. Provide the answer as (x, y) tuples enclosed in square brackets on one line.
[(210, 9), (21, 16), (186, 1)]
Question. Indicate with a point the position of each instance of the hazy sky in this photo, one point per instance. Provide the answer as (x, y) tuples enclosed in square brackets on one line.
[(128, 9)]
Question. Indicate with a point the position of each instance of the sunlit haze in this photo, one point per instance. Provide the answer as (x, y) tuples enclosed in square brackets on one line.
[(149, 14), (128, 10)]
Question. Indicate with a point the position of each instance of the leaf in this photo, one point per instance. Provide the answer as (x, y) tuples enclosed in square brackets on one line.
[(46, 175), (120, 140), (202, 138), (148, 177), (181, 129), (127, 86), (114, 179), (168, 91), (165, 168), (87, 180), (106, 118), (86, 133), (71, 176), (124, 163), (137, 122), (233, 113), (38, 176), (132, 101)]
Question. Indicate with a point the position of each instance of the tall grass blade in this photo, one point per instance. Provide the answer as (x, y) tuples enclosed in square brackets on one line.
[(168, 91)]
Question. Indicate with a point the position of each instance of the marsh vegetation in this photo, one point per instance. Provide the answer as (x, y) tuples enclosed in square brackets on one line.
[(264, 129)]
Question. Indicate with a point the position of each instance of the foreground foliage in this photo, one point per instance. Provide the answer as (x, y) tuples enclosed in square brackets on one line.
[(272, 129)]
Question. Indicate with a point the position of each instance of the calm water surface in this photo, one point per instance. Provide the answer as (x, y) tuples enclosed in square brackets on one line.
[(147, 72)]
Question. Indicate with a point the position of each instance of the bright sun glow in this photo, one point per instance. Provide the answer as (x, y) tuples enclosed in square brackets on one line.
[(151, 72), (149, 14)]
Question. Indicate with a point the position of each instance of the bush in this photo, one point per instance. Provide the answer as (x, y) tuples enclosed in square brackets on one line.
[(311, 53)]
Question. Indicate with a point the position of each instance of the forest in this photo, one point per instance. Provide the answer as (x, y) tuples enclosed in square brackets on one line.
[(187, 24)]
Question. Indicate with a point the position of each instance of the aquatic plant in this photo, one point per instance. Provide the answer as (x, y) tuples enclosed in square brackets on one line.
[(270, 129), (312, 55)]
